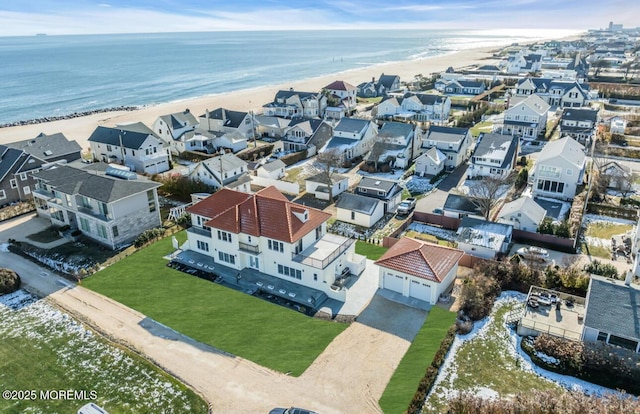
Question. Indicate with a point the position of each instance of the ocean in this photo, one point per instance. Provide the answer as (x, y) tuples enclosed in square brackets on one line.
[(42, 76)]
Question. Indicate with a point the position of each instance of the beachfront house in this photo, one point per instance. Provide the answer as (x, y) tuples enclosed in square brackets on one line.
[(523, 214), (352, 138), (231, 123), (271, 127), (430, 163), (18, 160), (418, 270), (306, 135), (107, 203), (225, 170), (455, 143), (481, 238), (273, 239), (342, 93), (579, 123), (133, 145), (527, 118), (559, 169), (384, 85), (173, 129), (359, 210), (388, 191), (295, 104), (394, 146), (495, 156)]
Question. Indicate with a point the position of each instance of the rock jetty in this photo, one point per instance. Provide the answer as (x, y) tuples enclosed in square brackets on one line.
[(69, 116)]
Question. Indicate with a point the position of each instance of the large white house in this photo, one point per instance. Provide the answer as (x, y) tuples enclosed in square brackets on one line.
[(495, 156), (558, 93), (294, 104), (134, 145), (452, 142), (106, 203), (229, 122), (352, 137), (268, 233), (559, 169), (418, 269), (527, 118), (345, 93), (415, 107), (175, 129)]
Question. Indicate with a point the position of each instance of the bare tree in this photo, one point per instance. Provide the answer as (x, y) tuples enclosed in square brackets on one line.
[(326, 164), (624, 183), (599, 65), (484, 193)]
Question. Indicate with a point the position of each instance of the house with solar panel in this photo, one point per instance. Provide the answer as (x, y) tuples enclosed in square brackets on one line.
[(134, 145), (107, 203)]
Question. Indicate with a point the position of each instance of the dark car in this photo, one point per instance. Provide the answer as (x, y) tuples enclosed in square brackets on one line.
[(292, 410)]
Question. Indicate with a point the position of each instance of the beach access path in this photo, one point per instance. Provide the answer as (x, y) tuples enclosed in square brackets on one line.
[(349, 376)]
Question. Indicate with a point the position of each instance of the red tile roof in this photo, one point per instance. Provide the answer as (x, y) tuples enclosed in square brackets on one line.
[(425, 260), (340, 86), (266, 213)]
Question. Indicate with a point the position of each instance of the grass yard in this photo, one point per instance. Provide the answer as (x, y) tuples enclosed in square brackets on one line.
[(44, 349), (405, 380), (597, 251), (47, 235), (486, 365), (429, 238), (294, 175), (486, 126), (372, 251), (265, 333), (606, 230)]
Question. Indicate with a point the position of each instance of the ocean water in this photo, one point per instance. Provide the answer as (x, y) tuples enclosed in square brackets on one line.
[(59, 75)]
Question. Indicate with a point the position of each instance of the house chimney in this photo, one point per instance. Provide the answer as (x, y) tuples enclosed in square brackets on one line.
[(373, 79), (224, 116), (627, 280)]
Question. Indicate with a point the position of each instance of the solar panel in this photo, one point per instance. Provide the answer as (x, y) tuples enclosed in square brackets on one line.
[(121, 173)]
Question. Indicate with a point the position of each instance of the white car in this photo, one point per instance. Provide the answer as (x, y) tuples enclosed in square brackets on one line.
[(534, 253)]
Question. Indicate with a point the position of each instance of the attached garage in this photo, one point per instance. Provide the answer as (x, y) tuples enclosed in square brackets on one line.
[(393, 282), (420, 290)]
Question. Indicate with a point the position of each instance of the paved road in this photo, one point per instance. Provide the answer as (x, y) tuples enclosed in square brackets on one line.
[(437, 198), (348, 377)]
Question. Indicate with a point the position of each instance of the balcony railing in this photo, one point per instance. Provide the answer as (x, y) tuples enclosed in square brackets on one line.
[(199, 231), (323, 263), (249, 248), (96, 214), (48, 195)]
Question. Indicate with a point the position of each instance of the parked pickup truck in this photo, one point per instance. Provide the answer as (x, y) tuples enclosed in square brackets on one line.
[(406, 206)]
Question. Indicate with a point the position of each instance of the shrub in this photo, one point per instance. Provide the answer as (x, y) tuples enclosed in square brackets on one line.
[(9, 281), (149, 236), (602, 269), (181, 187)]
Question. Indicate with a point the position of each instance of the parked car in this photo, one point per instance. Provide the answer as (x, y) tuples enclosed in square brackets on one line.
[(438, 211), (533, 253), (292, 410), (407, 206)]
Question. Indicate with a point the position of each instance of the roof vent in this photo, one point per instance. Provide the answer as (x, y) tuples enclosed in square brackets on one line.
[(48, 153), (377, 183)]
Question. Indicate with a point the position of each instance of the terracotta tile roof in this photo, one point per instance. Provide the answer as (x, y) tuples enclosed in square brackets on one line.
[(425, 260), (340, 86), (266, 213)]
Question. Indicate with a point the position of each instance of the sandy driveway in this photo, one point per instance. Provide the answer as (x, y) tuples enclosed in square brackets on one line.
[(348, 377)]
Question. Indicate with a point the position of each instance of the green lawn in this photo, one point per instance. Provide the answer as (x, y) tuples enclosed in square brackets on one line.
[(372, 251), (265, 333), (43, 349), (411, 370), (485, 126), (597, 251), (486, 362), (606, 230)]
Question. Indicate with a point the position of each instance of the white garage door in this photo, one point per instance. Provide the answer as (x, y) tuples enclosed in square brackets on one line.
[(393, 282), (420, 290)]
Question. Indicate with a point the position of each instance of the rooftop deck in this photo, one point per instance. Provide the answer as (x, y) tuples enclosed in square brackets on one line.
[(565, 321)]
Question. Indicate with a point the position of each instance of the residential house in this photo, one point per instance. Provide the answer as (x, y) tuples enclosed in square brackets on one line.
[(352, 138), (386, 190), (527, 118), (559, 169), (415, 107), (107, 203), (306, 135), (384, 85), (173, 129), (394, 146), (275, 239), (617, 125), (295, 104), (431, 163), (271, 127), (460, 206), (523, 214), (579, 123), (228, 129), (359, 210), (495, 156), (482, 238), (612, 313), (418, 269), (225, 170), (134, 145), (211, 142), (344, 93), (367, 89), (556, 93), (620, 177), (452, 142), (318, 185), (464, 87), (273, 170), (19, 159)]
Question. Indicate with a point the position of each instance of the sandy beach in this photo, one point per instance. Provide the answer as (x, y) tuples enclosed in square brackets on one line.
[(79, 129)]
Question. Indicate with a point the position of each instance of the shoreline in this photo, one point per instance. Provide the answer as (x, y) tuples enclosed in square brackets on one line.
[(79, 126)]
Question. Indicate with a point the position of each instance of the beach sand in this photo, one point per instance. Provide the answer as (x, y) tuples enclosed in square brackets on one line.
[(80, 128)]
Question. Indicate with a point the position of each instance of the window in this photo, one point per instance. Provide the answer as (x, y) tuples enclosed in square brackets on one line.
[(84, 225), (276, 246), (23, 176), (226, 257), (109, 148), (204, 246), (114, 231), (353, 215), (602, 336), (3, 195), (315, 277), (151, 199), (26, 190), (14, 183), (290, 271), (102, 231), (224, 236), (569, 171)]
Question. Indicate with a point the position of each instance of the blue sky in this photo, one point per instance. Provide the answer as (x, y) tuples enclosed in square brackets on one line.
[(120, 16)]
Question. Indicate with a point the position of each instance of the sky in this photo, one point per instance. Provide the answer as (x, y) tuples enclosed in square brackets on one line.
[(56, 17)]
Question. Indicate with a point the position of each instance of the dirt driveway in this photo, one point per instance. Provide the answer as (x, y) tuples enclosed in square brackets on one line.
[(348, 377)]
